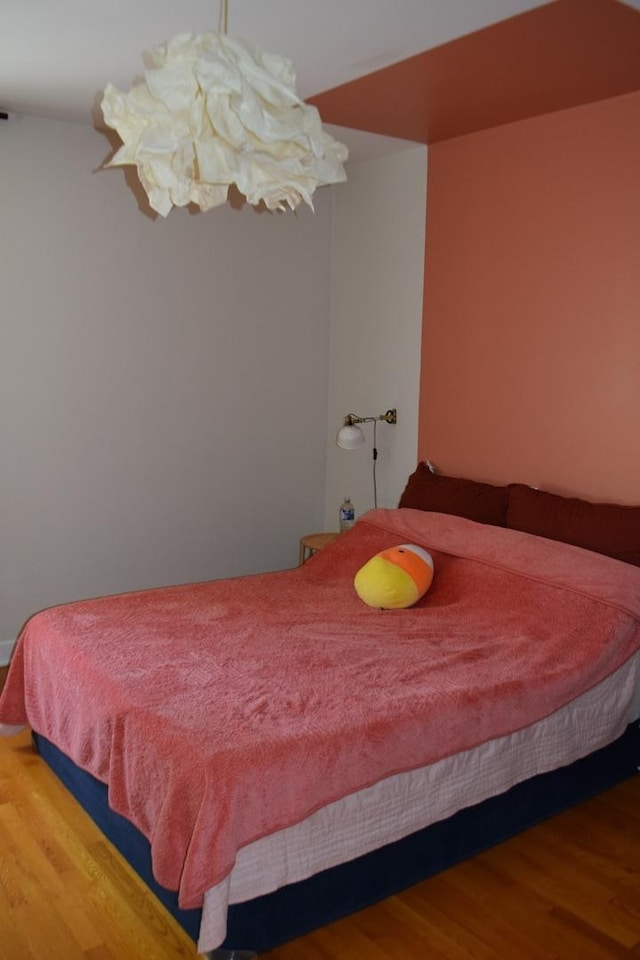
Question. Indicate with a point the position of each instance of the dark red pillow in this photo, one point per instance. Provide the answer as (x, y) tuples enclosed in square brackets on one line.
[(464, 498), (603, 527)]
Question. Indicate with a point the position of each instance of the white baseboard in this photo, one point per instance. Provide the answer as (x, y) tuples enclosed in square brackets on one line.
[(6, 646)]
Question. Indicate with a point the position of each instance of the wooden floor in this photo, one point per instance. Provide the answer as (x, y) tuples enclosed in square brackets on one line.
[(567, 889)]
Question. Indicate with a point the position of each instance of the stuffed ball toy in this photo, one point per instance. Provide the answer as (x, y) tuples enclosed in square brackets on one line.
[(395, 578)]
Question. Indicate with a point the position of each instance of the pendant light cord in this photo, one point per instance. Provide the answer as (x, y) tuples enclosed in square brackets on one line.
[(224, 14)]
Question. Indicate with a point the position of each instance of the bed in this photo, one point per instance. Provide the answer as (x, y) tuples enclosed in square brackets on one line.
[(270, 753)]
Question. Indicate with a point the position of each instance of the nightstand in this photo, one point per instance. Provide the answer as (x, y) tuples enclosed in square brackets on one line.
[(314, 542)]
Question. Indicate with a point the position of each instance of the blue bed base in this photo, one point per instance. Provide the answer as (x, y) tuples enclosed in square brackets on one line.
[(294, 910)]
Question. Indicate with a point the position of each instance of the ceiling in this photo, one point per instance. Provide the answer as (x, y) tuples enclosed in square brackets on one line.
[(56, 56), (559, 55)]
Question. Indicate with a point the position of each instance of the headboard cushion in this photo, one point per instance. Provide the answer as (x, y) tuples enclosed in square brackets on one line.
[(607, 528), (603, 527), (482, 502)]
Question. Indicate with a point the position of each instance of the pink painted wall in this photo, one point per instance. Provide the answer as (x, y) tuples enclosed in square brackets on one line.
[(531, 336)]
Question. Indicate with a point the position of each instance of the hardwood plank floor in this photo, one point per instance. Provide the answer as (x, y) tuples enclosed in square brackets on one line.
[(568, 889)]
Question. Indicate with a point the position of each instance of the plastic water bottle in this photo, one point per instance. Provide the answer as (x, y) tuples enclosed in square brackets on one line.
[(347, 515)]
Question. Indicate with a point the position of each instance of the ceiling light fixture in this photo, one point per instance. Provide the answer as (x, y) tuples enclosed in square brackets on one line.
[(215, 111)]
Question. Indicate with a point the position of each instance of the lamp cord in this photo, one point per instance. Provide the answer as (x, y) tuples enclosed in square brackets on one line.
[(375, 458), (224, 12)]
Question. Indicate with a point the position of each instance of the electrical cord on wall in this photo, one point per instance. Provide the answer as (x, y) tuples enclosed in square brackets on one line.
[(375, 457)]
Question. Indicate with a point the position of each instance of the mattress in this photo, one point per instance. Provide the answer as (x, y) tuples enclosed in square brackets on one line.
[(402, 804)]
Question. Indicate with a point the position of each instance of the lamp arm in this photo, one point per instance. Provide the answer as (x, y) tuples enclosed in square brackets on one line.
[(391, 416)]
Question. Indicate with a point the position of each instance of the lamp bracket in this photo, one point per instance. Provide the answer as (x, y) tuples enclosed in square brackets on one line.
[(391, 416)]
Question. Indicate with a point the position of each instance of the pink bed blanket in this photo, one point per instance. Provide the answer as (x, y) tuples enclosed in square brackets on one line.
[(220, 712)]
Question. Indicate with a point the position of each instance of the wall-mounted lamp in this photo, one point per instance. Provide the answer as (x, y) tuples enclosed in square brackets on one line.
[(350, 436)]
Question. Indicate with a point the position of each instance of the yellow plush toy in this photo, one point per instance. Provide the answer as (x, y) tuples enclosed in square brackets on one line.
[(395, 578)]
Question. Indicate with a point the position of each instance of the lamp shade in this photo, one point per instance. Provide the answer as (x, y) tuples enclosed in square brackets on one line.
[(349, 437), (214, 111)]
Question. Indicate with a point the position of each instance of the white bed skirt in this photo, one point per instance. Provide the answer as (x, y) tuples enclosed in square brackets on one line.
[(401, 804)]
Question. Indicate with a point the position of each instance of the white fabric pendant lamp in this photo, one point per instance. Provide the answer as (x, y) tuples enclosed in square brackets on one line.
[(214, 111)]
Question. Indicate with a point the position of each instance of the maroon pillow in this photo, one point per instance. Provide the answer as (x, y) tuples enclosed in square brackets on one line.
[(603, 527), (464, 498)]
